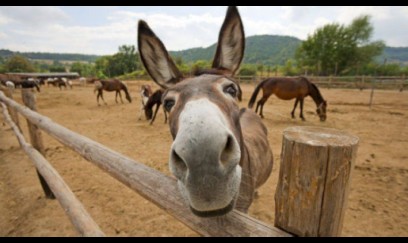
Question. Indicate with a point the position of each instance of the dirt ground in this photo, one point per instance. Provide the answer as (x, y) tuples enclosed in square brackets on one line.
[(378, 200)]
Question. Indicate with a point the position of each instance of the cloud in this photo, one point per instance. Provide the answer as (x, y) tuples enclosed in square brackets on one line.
[(4, 20), (33, 15), (51, 29)]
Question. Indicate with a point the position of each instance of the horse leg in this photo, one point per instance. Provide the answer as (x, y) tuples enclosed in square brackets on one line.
[(120, 96), (155, 113), (97, 98), (102, 96), (301, 109), (116, 97), (141, 111), (261, 111), (261, 103), (165, 116), (257, 106), (294, 108)]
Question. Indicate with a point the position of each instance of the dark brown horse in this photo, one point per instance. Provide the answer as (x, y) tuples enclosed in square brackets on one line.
[(287, 89), (220, 153), (145, 92), (111, 85), (154, 99), (29, 84)]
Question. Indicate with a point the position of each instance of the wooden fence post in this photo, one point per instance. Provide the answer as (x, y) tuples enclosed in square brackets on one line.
[(373, 82), (35, 137), (314, 180), (13, 113)]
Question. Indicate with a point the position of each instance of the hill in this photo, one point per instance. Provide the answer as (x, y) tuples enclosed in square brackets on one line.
[(265, 49), (60, 57), (276, 50), (395, 55)]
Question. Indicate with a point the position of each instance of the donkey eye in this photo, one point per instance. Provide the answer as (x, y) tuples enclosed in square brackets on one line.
[(230, 89), (168, 104)]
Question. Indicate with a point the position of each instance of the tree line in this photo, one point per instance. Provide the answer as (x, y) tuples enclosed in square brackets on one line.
[(333, 49)]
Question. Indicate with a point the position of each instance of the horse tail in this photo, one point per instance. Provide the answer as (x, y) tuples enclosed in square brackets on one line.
[(255, 94)]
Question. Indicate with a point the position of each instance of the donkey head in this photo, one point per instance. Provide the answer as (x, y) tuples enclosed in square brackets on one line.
[(203, 118)]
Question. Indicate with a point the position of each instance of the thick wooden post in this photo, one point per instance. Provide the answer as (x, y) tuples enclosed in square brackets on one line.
[(314, 180), (12, 111), (35, 137)]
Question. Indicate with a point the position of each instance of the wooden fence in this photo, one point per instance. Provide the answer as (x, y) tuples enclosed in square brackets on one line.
[(349, 82), (311, 195)]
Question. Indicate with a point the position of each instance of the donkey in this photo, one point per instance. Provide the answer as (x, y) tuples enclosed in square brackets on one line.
[(220, 154)]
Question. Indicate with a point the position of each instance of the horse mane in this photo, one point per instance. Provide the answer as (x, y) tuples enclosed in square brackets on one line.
[(319, 98)]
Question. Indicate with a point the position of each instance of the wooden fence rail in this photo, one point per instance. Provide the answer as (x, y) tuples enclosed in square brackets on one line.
[(154, 186), (359, 82), (71, 205)]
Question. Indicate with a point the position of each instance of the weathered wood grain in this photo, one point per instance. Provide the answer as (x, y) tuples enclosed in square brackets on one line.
[(314, 179), (36, 138)]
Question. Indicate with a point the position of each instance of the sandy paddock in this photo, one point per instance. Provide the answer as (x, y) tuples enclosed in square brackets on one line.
[(378, 201)]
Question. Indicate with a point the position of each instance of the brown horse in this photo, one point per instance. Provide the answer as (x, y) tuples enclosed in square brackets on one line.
[(287, 89), (145, 92), (220, 154), (111, 85), (154, 99)]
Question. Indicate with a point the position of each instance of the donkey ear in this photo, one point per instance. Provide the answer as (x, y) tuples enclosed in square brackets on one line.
[(231, 43), (155, 57)]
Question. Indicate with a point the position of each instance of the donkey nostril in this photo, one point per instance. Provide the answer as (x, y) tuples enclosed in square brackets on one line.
[(178, 161), (229, 146)]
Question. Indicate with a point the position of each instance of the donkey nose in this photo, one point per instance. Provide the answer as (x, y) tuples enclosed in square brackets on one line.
[(178, 164), (229, 153)]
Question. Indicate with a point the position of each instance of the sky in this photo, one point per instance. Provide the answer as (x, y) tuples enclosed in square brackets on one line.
[(101, 30)]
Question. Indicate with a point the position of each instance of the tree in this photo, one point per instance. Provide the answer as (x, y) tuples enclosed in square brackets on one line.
[(336, 49), (124, 62), (18, 63), (83, 69)]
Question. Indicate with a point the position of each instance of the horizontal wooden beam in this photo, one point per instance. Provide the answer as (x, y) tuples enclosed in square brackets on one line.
[(71, 205), (154, 186)]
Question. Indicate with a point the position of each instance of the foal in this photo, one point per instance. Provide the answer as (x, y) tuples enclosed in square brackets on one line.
[(220, 154)]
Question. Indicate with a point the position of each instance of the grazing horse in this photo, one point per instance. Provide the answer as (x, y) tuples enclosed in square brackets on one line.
[(57, 82), (287, 89), (111, 85), (145, 92), (154, 99), (220, 154), (67, 82), (29, 84)]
